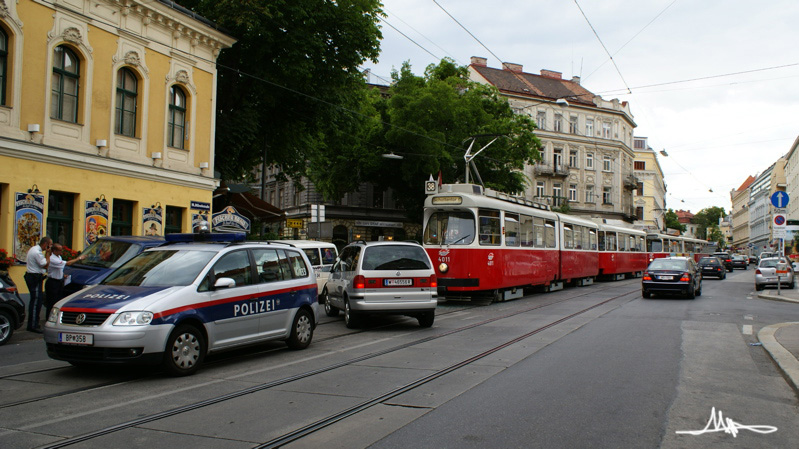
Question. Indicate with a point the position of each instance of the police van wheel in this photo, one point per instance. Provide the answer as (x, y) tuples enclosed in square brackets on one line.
[(185, 351), (301, 330), (329, 309)]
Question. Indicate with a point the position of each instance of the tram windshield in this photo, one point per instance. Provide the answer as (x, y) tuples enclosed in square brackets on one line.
[(450, 228)]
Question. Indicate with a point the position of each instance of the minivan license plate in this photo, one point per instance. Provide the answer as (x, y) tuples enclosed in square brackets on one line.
[(397, 282), (75, 339)]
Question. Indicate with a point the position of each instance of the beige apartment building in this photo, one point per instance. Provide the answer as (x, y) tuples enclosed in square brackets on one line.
[(650, 195), (740, 216), (587, 154)]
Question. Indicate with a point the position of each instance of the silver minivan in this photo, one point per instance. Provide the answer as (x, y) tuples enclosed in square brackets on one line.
[(382, 278)]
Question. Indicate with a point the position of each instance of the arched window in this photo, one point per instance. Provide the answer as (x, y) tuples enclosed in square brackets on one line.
[(3, 65), (176, 132), (127, 93), (66, 79)]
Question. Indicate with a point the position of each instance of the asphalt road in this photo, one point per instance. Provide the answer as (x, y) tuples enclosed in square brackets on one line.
[(597, 366)]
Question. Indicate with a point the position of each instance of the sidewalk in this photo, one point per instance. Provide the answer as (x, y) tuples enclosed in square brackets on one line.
[(781, 340)]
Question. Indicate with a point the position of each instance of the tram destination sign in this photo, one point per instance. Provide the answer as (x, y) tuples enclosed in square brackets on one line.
[(447, 200)]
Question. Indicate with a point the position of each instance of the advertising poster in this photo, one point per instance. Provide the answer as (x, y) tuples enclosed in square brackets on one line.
[(96, 221), (152, 221), (198, 218), (230, 220), (28, 224)]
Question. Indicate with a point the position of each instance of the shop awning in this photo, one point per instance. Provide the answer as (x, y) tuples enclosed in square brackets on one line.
[(250, 206)]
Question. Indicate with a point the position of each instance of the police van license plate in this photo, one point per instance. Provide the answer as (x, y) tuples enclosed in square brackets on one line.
[(75, 339), (397, 282)]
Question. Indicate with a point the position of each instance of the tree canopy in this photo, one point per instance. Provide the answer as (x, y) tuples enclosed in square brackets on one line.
[(708, 218), (672, 221), (430, 120), (286, 88)]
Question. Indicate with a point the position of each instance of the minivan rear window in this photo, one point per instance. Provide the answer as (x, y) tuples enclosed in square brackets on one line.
[(395, 257)]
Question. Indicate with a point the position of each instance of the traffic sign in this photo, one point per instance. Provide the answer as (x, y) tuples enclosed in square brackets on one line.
[(779, 220), (780, 199)]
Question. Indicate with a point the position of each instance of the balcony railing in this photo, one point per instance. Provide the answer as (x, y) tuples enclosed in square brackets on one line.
[(560, 170), (631, 182)]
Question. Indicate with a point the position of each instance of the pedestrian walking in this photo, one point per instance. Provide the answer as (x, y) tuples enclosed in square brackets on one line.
[(37, 261), (54, 285)]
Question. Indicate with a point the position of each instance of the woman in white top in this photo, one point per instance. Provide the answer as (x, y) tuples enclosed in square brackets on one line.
[(54, 284)]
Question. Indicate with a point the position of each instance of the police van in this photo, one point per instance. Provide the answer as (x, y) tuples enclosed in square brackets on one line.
[(322, 256), (196, 294)]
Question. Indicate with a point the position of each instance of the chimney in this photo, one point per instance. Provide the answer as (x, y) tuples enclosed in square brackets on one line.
[(551, 74), (479, 60), (512, 66), (576, 79)]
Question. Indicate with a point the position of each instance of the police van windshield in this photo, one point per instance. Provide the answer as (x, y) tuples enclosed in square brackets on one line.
[(161, 269)]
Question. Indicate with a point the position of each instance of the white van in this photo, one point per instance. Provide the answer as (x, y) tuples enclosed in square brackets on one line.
[(321, 254)]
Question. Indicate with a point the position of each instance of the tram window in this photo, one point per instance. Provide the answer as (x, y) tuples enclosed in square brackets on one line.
[(490, 229), (449, 228), (601, 240), (568, 237), (622, 241), (592, 238), (526, 231), (578, 237), (549, 233), (511, 230), (540, 234), (610, 241), (640, 243)]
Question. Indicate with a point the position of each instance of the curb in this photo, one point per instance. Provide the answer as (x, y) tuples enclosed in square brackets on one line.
[(785, 361), (777, 298)]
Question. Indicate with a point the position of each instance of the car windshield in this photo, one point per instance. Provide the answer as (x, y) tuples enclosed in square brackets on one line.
[(108, 253), (161, 268), (769, 263), (708, 261), (395, 257), (449, 228), (668, 264)]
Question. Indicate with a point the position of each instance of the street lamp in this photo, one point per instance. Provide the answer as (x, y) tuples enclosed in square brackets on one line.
[(391, 155)]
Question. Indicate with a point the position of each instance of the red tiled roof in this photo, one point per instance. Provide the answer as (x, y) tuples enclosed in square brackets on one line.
[(747, 183), (522, 83)]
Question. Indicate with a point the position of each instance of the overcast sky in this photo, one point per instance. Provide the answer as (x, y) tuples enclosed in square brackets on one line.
[(717, 130)]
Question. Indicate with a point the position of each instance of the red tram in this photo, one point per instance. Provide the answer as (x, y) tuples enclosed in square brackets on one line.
[(485, 242), (663, 245)]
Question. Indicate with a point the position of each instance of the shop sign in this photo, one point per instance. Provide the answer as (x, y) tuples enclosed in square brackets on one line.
[(230, 219), (378, 224), (28, 214), (294, 222), (96, 221), (152, 221)]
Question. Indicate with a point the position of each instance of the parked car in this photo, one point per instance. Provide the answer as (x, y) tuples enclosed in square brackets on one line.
[(321, 254), (726, 259), (739, 261), (672, 275), (766, 273), (12, 309), (104, 256), (382, 278), (712, 266), (175, 303), (765, 254), (753, 259)]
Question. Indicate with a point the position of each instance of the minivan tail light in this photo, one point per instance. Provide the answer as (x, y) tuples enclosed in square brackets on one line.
[(433, 281), (359, 282)]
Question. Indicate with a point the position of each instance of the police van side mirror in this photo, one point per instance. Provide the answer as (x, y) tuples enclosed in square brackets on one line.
[(224, 283)]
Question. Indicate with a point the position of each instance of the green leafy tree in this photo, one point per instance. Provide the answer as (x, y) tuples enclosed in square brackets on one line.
[(706, 218), (286, 89), (714, 234), (673, 222), (430, 120)]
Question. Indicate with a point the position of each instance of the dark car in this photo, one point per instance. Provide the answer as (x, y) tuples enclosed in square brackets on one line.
[(12, 309), (726, 259), (753, 259), (739, 261), (672, 275), (712, 266), (103, 257)]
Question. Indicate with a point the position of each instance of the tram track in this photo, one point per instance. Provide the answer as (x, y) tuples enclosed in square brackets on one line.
[(306, 430)]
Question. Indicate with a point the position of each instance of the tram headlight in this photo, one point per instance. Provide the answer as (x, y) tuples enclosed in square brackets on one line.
[(443, 267)]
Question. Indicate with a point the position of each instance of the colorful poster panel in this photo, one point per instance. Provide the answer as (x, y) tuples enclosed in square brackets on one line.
[(197, 219), (28, 223), (152, 221), (230, 220), (96, 221)]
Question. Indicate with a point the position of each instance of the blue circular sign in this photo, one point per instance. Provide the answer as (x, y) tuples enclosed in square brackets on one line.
[(779, 220), (780, 199)]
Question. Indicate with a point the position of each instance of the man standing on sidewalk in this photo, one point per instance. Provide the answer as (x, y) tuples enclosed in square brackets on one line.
[(37, 261), (54, 284)]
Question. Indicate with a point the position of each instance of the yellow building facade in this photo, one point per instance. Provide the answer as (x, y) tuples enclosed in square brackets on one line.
[(109, 103)]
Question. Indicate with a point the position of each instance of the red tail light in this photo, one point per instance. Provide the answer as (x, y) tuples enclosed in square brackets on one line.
[(433, 281), (359, 282), (758, 271), (685, 277), (11, 289), (647, 276)]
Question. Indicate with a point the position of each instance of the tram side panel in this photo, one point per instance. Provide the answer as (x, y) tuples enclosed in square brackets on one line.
[(529, 267), (577, 264), (619, 262)]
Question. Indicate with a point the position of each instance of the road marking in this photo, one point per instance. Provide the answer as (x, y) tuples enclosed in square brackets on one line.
[(747, 329)]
